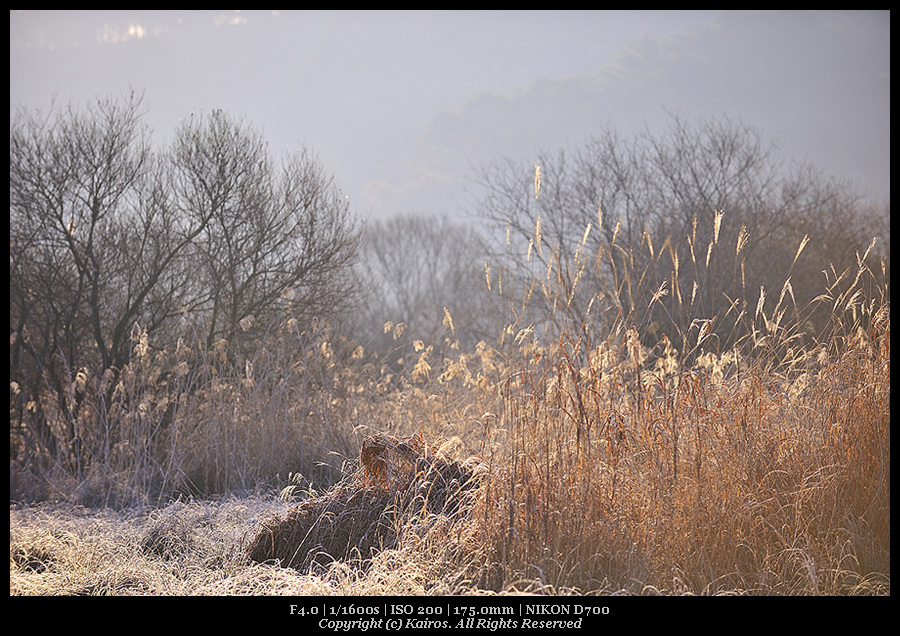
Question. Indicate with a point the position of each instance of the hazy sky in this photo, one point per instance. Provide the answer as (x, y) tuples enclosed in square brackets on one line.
[(400, 106)]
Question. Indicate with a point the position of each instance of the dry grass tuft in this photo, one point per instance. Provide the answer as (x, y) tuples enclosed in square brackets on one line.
[(397, 482)]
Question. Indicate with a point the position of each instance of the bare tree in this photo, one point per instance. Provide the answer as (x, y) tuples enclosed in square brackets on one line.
[(110, 241), (665, 229), (278, 238), (86, 220), (418, 266)]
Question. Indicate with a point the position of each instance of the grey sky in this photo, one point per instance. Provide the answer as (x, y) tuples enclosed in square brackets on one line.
[(400, 105)]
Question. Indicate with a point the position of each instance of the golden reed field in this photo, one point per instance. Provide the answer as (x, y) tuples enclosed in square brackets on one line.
[(199, 405), (591, 467)]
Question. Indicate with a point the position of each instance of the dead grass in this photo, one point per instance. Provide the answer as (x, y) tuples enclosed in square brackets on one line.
[(607, 463), (681, 468), (749, 484), (195, 549)]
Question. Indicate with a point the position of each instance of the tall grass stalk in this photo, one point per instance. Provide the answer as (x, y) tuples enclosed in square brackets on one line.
[(764, 468)]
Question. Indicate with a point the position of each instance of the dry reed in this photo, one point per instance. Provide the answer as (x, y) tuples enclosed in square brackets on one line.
[(622, 460), (677, 467)]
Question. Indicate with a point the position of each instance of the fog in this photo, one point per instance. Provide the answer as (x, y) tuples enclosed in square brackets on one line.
[(401, 105)]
